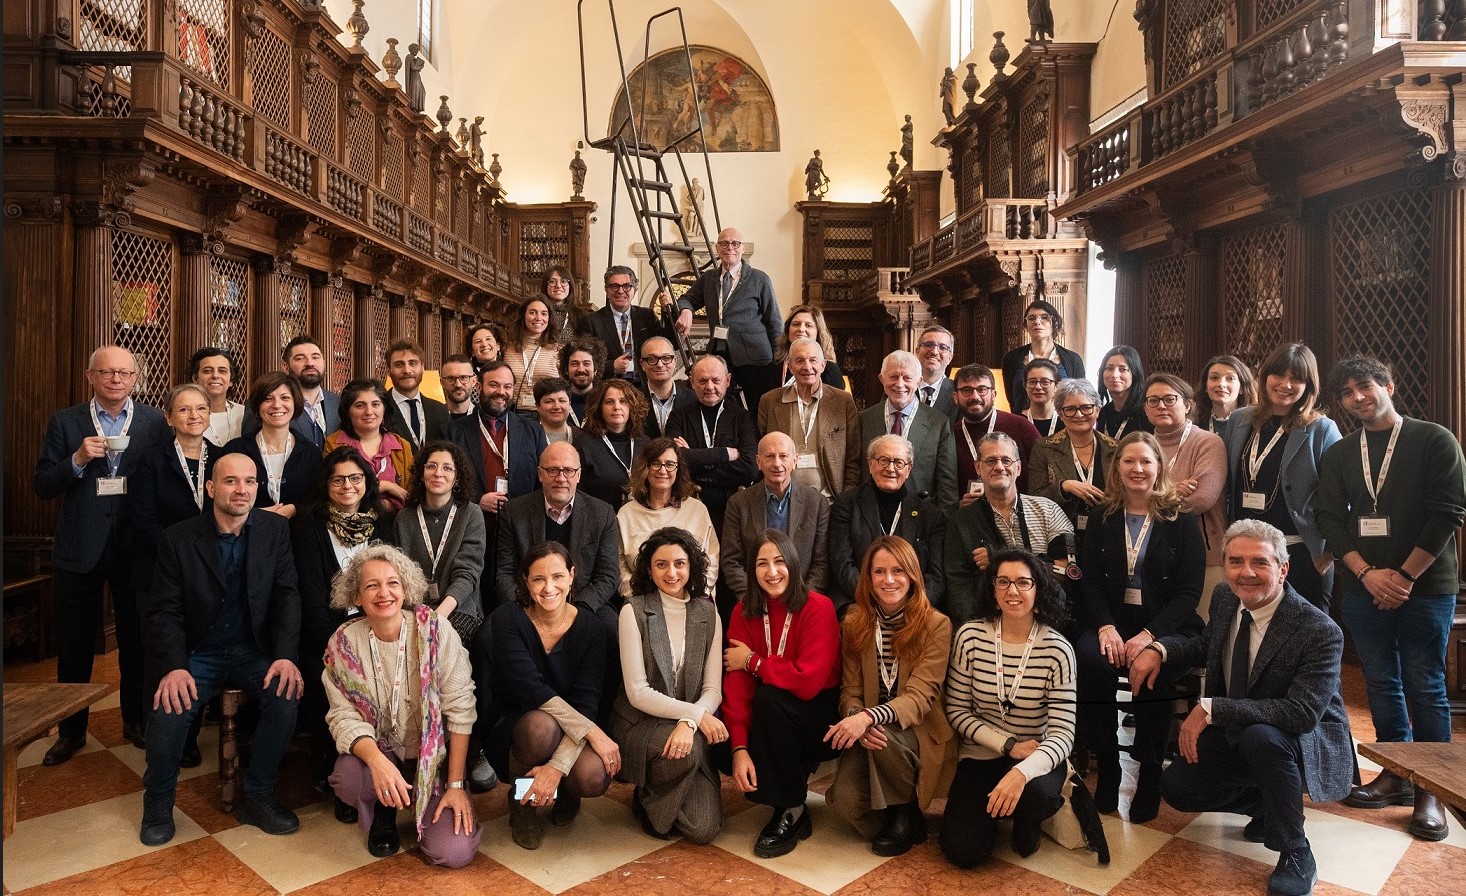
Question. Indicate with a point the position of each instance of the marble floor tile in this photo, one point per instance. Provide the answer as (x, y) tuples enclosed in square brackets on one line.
[(924, 871), (603, 837), (37, 852), (200, 866), (137, 760), (322, 848), (87, 778), (1130, 845), (1428, 869), (679, 869), (36, 751), (406, 874), (1185, 868), (833, 857)]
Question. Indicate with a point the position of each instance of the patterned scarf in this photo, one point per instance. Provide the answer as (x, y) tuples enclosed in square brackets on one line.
[(351, 529), (347, 671)]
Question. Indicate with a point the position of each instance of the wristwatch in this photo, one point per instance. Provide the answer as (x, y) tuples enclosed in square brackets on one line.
[(1009, 744), (456, 785)]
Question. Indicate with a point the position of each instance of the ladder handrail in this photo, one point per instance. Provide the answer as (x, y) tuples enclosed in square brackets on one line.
[(697, 106)]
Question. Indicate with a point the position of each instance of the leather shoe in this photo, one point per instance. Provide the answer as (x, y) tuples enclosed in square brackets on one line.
[(1428, 821), (639, 811), (192, 756), (783, 833), (157, 827), (265, 812), (345, 812), (138, 734), (383, 839), (1387, 789), (1025, 837), (63, 749), (482, 778), (566, 807), (1295, 874), (903, 828)]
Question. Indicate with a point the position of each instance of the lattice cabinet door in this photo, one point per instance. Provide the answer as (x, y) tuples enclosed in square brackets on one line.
[(294, 307), (1164, 282), (142, 307), (1252, 274), (381, 317), (1195, 34), (113, 25), (229, 303), (203, 38), (269, 79), (343, 330)]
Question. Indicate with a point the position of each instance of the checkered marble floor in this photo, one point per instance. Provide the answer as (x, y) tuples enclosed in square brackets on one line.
[(77, 834)]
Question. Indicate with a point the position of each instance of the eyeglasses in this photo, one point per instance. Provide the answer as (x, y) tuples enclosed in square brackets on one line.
[(1038, 319), (940, 347), (558, 281), (1155, 401), (1078, 410), (620, 287), (466, 378), (1023, 584), (658, 360), (895, 463), (730, 244), (1043, 383), (435, 467), (993, 463), (666, 466), (115, 374), (561, 472), (348, 479), (974, 390)]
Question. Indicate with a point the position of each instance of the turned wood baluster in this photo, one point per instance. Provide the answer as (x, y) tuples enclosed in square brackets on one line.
[(1303, 70), (1286, 59), (1458, 27), (1209, 103), (1339, 45), (185, 101), (1318, 34), (1432, 20)]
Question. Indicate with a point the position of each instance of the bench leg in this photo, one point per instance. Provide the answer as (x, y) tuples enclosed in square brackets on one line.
[(228, 750)]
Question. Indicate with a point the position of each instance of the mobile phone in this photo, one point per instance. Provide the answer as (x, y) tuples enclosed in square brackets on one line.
[(522, 786)]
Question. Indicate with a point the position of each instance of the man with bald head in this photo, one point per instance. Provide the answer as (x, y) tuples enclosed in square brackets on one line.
[(821, 420), (928, 431), (743, 317), (779, 502), (89, 451), (665, 393), (718, 437)]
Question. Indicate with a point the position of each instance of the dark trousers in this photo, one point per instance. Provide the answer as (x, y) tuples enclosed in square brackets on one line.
[(480, 657), (1096, 687), (754, 380), (968, 831), (213, 670), (785, 742), (1303, 576), (1261, 775), (79, 618)]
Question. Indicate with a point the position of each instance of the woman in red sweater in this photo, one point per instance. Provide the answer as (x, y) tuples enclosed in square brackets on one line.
[(781, 692)]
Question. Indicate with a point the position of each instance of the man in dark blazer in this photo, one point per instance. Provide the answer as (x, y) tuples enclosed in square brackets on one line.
[(885, 504), (718, 438), (560, 512), (1273, 724), (743, 317), (621, 326), (502, 446), (405, 402), (664, 392), (92, 537), (929, 432), (224, 612), (779, 502), (934, 349)]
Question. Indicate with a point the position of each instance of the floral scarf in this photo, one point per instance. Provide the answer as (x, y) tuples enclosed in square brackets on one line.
[(346, 668)]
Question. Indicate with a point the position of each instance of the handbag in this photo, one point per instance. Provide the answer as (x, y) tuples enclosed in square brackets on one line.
[(1077, 823)]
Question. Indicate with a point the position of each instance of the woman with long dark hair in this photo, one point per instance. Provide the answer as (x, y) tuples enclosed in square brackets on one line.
[(285, 465), (808, 322), (1226, 387), (559, 288), (1120, 376), (483, 343), (532, 352), (436, 530), (364, 426), (897, 746), (1044, 325), (611, 439)]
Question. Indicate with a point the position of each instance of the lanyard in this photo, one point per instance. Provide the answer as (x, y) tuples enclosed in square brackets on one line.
[(394, 706), (196, 484), (629, 450), (127, 415), (436, 554), (1133, 545), (1086, 474), (1375, 486), (623, 326), (1185, 434), (888, 671), (275, 481), (895, 520), (1022, 522), (1006, 694), (971, 445), (807, 424), (663, 410), (1053, 355), (504, 452), (783, 637), (707, 437), (529, 365), (1254, 462)]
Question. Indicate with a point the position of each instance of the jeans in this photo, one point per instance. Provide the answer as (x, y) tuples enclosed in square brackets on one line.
[(1261, 776), (240, 667), (1404, 656), (969, 833)]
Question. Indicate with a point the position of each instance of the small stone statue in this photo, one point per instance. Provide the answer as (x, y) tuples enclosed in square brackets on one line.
[(948, 90), (816, 184), (907, 144), (577, 177), (1040, 21), (692, 196), (417, 95), (476, 140)]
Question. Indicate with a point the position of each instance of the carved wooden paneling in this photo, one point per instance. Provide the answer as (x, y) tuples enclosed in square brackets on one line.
[(421, 198), (361, 144), (972, 175), (1164, 284), (270, 78), (320, 112), (1252, 277), (1379, 256), (343, 331), (1266, 12), (392, 161), (142, 308), (229, 301), (294, 305), (381, 316), (1195, 33), (999, 174), (1033, 149)]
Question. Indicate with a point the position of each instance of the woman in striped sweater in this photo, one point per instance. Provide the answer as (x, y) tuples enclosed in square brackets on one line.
[(1010, 699)]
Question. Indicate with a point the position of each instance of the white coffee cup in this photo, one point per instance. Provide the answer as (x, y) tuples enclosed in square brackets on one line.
[(118, 443)]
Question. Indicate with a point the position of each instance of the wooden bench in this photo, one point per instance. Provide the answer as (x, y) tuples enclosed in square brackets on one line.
[(1437, 768), (30, 711)]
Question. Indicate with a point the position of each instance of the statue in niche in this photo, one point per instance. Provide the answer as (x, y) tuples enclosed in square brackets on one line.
[(948, 89), (417, 95), (907, 144), (1040, 21), (476, 140), (816, 184), (577, 177), (692, 196)]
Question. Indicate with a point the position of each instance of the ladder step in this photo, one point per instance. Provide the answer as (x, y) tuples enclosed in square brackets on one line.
[(645, 150), (668, 216), (680, 248), (652, 184)]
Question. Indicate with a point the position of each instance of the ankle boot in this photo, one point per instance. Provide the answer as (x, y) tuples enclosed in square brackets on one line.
[(1147, 802), (1107, 786), (382, 839)]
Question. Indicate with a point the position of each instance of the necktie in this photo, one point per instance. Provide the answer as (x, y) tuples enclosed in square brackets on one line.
[(415, 421), (1241, 654), (896, 423), (929, 395), (727, 289), (623, 324), (318, 435)]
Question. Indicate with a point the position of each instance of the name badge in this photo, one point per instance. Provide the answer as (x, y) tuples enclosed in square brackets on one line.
[(806, 462), (1374, 527), (1133, 597), (111, 485), (431, 597), (501, 485), (974, 486), (720, 333), (1254, 501), (1081, 522)]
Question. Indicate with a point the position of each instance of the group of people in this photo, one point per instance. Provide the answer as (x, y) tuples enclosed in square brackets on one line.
[(580, 567)]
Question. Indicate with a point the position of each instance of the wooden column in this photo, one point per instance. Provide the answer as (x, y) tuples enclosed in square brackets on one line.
[(1129, 300), (429, 321), (264, 338), (95, 316), (1202, 315), (322, 312), (1303, 278), (365, 362), (397, 319), (195, 275), (1446, 401)]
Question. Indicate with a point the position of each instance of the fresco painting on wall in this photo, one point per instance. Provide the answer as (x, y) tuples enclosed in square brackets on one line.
[(737, 108)]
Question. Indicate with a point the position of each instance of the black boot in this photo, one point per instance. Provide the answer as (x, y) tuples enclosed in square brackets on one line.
[(904, 826), (1107, 786), (1147, 802), (382, 839)]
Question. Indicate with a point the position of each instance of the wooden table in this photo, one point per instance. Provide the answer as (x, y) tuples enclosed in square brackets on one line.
[(1438, 768), (30, 711)]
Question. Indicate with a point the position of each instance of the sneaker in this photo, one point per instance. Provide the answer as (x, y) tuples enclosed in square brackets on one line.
[(157, 827), (264, 811), (482, 778), (1296, 873)]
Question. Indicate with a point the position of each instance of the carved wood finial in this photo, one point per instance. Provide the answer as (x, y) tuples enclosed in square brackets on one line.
[(392, 62), (356, 24), (999, 57)]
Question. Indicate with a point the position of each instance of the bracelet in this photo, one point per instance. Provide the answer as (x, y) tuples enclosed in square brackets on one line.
[(456, 785), (740, 749), (1364, 572), (1154, 645), (1405, 574)]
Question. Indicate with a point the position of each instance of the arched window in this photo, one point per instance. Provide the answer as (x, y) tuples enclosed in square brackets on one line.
[(425, 29), (962, 27)]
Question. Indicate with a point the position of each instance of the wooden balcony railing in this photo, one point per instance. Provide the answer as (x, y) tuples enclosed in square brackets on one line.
[(992, 221)]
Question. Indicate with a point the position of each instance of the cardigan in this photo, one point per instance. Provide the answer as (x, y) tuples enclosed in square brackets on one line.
[(1204, 458), (464, 549), (809, 664), (636, 521), (1303, 450)]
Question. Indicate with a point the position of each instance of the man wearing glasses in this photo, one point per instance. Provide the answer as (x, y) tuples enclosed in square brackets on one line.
[(743, 317), (456, 375), (620, 325), (665, 393), (934, 349), (978, 418), (89, 451)]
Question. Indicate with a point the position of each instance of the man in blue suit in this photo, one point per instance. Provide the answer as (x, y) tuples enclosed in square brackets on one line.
[(89, 452)]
